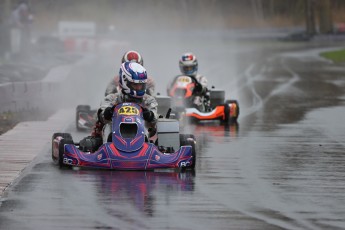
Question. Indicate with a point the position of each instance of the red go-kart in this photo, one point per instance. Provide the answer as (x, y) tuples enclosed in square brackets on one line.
[(215, 107)]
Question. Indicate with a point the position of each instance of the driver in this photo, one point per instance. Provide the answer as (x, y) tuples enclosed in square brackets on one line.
[(132, 81), (130, 56), (114, 86), (189, 67)]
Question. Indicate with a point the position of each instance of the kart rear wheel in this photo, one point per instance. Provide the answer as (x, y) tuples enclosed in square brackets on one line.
[(81, 108), (184, 137), (237, 111), (226, 118), (189, 139), (66, 139)]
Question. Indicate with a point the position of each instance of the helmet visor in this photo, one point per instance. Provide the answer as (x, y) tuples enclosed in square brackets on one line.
[(188, 69), (137, 86)]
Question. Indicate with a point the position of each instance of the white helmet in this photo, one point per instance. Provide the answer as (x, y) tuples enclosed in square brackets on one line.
[(188, 64), (133, 78), (132, 56)]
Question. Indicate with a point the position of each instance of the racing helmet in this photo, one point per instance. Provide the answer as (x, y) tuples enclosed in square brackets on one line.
[(188, 64), (132, 56), (133, 79)]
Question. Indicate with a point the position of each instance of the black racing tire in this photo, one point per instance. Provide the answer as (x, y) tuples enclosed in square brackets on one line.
[(67, 139), (189, 139), (226, 118), (83, 108), (53, 137), (184, 137), (234, 119), (192, 143), (76, 121)]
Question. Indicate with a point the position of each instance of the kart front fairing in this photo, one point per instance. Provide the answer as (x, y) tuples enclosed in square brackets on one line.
[(128, 127), (145, 158)]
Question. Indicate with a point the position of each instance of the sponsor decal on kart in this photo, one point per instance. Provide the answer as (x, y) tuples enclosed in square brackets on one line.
[(128, 119), (184, 164), (138, 120), (67, 161)]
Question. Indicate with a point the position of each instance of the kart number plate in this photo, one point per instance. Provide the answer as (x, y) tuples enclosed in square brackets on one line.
[(128, 110), (184, 80)]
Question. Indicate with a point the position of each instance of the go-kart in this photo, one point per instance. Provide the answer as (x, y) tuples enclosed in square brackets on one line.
[(125, 145), (214, 106)]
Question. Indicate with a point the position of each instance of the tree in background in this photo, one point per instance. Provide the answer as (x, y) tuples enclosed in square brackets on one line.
[(325, 17), (323, 10), (309, 7), (316, 15)]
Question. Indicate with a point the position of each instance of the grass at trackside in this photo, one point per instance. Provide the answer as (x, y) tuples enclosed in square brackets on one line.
[(336, 56)]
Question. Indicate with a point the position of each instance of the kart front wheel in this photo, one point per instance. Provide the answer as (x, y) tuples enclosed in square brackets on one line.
[(192, 143), (55, 135), (66, 139)]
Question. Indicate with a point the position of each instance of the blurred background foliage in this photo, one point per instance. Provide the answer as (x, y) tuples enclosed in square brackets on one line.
[(314, 15)]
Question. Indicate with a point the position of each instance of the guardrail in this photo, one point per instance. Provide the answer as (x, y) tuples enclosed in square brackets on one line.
[(19, 96)]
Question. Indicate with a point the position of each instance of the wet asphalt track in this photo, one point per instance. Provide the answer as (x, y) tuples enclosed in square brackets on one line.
[(280, 167)]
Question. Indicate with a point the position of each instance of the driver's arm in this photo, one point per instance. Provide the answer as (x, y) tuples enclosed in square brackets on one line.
[(108, 101), (152, 105)]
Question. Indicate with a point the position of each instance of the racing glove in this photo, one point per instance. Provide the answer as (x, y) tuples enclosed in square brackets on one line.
[(148, 115), (197, 88), (108, 113)]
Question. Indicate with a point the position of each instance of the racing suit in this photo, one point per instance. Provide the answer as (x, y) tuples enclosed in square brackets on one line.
[(199, 95), (113, 86)]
